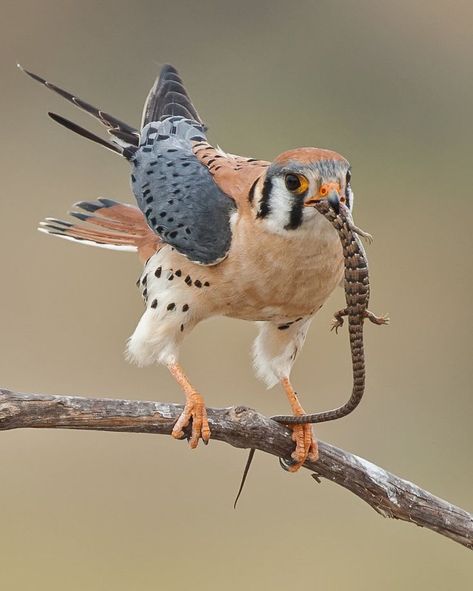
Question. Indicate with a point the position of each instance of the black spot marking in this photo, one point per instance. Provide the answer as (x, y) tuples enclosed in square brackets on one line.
[(154, 221), (170, 220), (153, 163), (133, 178), (182, 328), (198, 283), (283, 326), (169, 163), (171, 277), (173, 234), (188, 280), (185, 164), (144, 280), (162, 214), (171, 306), (147, 149), (150, 172), (178, 273), (185, 307), (188, 230), (206, 284), (158, 272), (145, 293), (172, 150), (162, 136), (149, 199), (154, 304)]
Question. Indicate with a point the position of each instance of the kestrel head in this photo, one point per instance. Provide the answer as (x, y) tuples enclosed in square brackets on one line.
[(295, 181)]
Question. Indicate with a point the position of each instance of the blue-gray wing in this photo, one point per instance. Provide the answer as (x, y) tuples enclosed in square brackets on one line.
[(178, 195)]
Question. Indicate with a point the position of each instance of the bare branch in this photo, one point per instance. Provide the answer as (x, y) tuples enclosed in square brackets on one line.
[(242, 427)]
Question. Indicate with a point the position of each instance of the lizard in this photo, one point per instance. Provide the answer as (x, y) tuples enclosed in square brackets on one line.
[(357, 293)]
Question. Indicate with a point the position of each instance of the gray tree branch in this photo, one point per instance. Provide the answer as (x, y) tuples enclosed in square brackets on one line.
[(242, 427)]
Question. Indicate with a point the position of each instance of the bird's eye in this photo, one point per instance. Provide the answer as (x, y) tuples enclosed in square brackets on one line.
[(296, 183)]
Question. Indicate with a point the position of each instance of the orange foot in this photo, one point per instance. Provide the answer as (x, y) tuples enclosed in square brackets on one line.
[(306, 444), (194, 410)]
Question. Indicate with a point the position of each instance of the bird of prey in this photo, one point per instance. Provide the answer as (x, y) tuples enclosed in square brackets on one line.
[(218, 234)]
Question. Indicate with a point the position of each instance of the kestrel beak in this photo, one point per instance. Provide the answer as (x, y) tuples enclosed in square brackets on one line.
[(334, 201), (329, 191)]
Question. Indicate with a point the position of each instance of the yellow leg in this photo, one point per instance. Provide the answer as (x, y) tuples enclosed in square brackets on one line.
[(193, 410), (306, 444)]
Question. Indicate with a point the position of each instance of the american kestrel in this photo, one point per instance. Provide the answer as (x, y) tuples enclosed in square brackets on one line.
[(218, 234)]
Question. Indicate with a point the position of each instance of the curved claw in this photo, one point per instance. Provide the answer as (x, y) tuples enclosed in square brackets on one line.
[(336, 324), (286, 464)]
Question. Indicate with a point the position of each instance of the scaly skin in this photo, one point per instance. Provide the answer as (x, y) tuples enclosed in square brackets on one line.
[(357, 293)]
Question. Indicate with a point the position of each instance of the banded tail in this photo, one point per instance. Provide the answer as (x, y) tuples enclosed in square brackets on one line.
[(106, 224)]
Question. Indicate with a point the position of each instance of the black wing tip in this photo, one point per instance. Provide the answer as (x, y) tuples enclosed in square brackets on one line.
[(31, 74), (168, 69), (85, 133)]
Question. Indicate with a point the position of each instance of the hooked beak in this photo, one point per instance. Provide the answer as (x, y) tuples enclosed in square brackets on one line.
[(328, 191), (334, 201)]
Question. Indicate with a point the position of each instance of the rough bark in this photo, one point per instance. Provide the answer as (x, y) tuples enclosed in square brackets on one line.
[(243, 427)]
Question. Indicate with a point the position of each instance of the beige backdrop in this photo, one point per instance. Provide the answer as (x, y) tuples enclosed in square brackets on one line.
[(389, 85)]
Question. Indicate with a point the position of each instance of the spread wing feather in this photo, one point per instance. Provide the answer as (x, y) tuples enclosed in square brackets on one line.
[(182, 203)]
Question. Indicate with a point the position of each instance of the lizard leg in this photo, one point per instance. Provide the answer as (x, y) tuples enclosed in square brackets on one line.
[(376, 319), (194, 410), (337, 321), (306, 444), (362, 233)]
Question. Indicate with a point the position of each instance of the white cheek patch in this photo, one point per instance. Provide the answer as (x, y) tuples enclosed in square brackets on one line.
[(280, 207)]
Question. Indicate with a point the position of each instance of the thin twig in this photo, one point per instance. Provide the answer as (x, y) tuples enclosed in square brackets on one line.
[(242, 427)]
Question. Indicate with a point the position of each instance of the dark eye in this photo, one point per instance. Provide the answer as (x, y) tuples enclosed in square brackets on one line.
[(293, 182)]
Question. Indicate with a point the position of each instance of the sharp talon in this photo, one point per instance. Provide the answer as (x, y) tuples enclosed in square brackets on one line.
[(193, 424), (286, 464)]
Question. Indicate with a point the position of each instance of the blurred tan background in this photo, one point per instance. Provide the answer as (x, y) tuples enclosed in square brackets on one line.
[(390, 86)]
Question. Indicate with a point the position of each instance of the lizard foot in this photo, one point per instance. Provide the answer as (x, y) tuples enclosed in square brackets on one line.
[(377, 319)]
